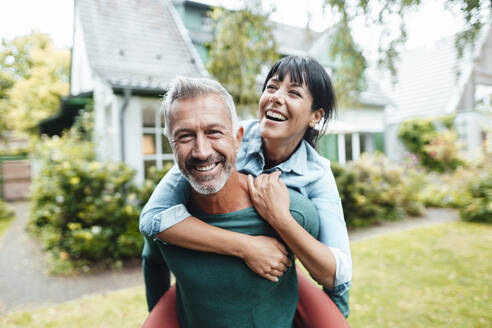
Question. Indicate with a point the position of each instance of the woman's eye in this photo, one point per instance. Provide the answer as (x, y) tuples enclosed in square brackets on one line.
[(271, 86), (295, 92)]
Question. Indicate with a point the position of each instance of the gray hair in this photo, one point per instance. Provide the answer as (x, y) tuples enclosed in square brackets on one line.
[(189, 87)]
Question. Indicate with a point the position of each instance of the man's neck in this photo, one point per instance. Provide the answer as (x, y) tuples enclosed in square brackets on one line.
[(232, 197)]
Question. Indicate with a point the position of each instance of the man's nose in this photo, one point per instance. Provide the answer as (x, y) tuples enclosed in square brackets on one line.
[(202, 148)]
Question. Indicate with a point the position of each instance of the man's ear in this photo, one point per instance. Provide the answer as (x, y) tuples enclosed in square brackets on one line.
[(316, 116), (239, 137)]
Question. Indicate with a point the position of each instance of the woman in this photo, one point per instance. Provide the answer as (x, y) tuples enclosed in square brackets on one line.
[(297, 96)]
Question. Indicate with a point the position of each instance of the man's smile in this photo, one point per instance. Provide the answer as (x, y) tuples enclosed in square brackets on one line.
[(205, 168)]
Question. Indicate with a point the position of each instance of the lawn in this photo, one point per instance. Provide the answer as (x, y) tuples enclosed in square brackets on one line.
[(431, 277)]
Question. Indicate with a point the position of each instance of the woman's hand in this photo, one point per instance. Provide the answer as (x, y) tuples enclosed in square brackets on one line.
[(271, 199), (270, 196), (266, 256)]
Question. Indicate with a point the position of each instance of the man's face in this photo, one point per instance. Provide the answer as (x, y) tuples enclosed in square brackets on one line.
[(203, 141)]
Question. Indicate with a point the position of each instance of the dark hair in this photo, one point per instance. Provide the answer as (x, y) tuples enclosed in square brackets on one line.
[(308, 70)]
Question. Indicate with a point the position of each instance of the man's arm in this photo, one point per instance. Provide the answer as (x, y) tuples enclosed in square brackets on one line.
[(156, 273)]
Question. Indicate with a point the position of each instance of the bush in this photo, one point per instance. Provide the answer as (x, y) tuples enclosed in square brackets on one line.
[(447, 189), (5, 212), (477, 207), (435, 150), (374, 190), (86, 212)]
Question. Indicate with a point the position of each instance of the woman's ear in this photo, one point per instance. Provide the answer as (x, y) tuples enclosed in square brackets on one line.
[(316, 116), (239, 137)]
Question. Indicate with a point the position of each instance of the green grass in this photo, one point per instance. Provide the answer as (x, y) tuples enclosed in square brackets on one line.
[(124, 308), (4, 224), (430, 277)]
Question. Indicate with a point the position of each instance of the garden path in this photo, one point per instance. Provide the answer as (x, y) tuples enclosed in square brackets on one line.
[(25, 283)]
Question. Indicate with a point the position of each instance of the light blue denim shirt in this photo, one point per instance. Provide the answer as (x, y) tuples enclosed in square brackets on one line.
[(305, 170)]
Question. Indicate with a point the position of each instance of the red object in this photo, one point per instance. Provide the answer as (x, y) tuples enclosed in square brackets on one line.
[(314, 310), (164, 313)]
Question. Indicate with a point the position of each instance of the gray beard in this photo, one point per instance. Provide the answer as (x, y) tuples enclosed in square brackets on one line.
[(208, 186)]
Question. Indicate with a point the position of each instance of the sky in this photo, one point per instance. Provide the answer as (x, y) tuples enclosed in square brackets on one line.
[(54, 17)]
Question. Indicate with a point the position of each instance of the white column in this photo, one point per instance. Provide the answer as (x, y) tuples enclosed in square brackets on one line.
[(355, 147), (115, 129), (341, 149), (158, 138)]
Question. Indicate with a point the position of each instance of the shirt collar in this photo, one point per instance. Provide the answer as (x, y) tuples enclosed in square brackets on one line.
[(297, 163)]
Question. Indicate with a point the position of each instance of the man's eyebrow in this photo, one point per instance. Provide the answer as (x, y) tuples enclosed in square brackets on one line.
[(216, 125)]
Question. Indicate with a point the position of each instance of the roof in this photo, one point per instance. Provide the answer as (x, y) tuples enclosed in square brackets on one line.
[(294, 40), (373, 95), (137, 43), (427, 81)]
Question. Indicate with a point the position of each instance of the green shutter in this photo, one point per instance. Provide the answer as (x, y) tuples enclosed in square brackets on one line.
[(379, 141), (328, 147)]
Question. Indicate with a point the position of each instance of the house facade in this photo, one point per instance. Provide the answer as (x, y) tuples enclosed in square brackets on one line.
[(357, 129), (124, 55), (432, 81)]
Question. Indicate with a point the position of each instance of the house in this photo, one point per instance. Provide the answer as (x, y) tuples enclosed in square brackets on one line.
[(432, 82), (124, 55), (357, 129)]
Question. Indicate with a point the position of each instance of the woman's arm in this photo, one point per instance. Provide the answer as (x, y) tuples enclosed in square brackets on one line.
[(264, 255), (271, 199), (166, 216)]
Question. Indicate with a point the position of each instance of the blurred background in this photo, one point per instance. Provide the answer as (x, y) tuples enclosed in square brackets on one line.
[(82, 144)]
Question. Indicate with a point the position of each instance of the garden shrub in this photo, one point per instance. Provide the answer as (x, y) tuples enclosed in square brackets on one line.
[(447, 189), (477, 207), (435, 150), (5, 212), (85, 212), (374, 190)]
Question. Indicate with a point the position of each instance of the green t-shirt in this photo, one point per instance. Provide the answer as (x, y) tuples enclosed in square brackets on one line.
[(221, 291)]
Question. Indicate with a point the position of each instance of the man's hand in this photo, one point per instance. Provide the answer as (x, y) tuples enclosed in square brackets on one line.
[(266, 256)]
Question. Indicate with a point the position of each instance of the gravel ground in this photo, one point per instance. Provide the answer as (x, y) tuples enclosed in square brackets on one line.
[(431, 217), (25, 283)]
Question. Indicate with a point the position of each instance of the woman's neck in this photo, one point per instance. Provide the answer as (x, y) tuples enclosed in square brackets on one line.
[(278, 151)]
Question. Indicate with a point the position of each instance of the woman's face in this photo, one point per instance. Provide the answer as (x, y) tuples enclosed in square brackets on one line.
[(285, 110)]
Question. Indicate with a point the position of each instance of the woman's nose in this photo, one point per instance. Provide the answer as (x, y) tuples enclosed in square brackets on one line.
[(277, 98)]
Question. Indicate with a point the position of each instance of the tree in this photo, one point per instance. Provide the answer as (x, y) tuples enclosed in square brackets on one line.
[(384, 13), (33, 76), (243, 45), (348, 64)]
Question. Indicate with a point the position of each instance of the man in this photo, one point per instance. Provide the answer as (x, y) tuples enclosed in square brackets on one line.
[(215, 290)]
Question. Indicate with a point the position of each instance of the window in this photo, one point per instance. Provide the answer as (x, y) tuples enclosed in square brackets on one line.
[(483, 97), (348, 147), (367, 143), (155, 146)]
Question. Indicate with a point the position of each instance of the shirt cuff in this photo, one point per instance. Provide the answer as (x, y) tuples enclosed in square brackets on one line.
[(343, 274), (172, 216)]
